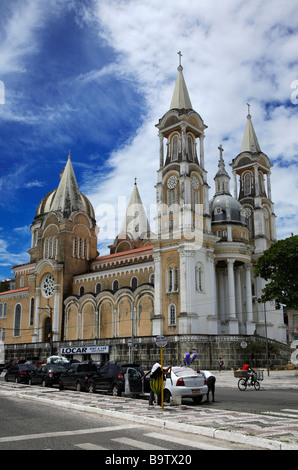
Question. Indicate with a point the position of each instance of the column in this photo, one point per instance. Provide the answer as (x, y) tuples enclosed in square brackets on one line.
[(202, 157), (161, 153), (256, 175), (35, 337), (268, 186), (183, 143), (250, 324), (157, 323), (221, 290), (238, 294), (55, 318), (235, 183), (231, 288)]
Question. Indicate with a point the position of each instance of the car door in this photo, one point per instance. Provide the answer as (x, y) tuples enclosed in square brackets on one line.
[(101, 378), (37, 376), (133, 381), (69, 378)]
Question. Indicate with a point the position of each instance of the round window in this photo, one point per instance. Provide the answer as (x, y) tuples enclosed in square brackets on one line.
[(47, 286)]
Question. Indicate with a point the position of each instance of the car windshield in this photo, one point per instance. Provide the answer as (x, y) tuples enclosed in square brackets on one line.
[(184, 372)]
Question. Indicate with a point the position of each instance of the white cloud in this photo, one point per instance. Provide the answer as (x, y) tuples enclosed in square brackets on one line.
[(233, 52)]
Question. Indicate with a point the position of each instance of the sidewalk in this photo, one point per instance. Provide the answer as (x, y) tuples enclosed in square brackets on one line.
[(259, 430)]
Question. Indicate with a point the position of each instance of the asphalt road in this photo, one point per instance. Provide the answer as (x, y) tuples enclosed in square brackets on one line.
[(253, 401), (32, 426)]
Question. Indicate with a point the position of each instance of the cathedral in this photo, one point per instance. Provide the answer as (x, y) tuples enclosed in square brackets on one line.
[(193, 275)]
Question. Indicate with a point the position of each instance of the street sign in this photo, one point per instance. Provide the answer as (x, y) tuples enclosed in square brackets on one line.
[(161, 341)]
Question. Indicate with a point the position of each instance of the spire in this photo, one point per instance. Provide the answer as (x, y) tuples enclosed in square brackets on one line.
[(180, 99), (68, 197), (222, 178), (250, 142), (135, 222)]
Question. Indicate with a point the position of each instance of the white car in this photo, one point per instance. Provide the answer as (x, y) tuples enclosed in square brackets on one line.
[(185, 382)]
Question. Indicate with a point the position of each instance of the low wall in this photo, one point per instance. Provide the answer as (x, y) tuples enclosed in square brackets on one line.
[(144, 350)]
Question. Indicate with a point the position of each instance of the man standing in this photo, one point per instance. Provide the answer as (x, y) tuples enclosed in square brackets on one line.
[(210, 379), (155, 383)]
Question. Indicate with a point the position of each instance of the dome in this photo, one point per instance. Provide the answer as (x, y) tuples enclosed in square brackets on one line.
[(47, 203), (225, 208), (67, 198)]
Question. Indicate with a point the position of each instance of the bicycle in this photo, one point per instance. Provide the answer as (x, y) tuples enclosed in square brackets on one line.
[(249, 380)]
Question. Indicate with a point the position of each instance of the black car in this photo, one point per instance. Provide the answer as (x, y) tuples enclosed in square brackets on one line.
[(20, 373), (116, 378), (77, 376), (46, 375)]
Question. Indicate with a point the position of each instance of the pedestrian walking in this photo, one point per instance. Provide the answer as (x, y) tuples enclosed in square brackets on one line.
[(210, 379), (221, 363)]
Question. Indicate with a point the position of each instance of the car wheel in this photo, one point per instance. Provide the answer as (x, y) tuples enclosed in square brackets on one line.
[(91, 387), (167, 396), (6, 378), (115, 391), (61, 386), (79, 387), (198, 400)]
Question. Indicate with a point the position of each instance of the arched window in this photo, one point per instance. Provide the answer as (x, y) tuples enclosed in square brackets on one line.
[(22, 281), (172, 315), (31, 318), (190, 148), (247, 184), (173, 279), (5, 310), (98, 288), (115, 285), (17, 320), (134, 282), (1, 310), (199, 278), (175, 148), (151, 279), (82, 291)]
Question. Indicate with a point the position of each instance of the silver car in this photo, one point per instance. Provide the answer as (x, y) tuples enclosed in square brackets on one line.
[(185, 382)]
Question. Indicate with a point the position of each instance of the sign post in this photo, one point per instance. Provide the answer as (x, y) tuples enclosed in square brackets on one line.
[(161, 342), (243, 345)]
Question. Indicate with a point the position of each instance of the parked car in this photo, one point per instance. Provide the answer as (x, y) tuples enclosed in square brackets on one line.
[(19, 373), (76, 376), (111, 379), (46, 375), (186, 382)]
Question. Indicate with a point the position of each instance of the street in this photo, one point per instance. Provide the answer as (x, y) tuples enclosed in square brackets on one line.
[(34, 417), (31, 426), (252, 401)]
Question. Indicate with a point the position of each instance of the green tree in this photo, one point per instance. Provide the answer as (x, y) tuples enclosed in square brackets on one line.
[(279, 266)]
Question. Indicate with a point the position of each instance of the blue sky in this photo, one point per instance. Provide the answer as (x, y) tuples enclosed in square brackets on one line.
[(95, 76)]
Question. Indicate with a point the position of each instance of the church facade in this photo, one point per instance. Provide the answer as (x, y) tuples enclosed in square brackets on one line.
[(193, 276)]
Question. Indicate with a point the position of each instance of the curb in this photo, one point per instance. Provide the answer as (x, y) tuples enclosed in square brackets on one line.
[(214, 433)]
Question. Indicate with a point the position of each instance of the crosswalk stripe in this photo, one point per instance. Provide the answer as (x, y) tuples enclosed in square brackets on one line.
[(185, 442), (45, 435), (138, 444), (89, 446)]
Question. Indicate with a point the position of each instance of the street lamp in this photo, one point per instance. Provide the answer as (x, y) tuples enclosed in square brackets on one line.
[(265, 321)]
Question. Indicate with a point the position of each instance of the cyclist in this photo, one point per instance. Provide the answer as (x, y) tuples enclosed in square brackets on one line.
[(251, 374)]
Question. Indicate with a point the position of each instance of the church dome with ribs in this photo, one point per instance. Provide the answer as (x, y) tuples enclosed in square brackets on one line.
[(67, 198)]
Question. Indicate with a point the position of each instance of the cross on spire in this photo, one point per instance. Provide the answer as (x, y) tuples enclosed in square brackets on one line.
[(248, 108), (221, 150), (180, 55)]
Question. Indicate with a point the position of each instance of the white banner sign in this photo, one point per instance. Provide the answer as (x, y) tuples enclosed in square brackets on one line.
[(85, 350)]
